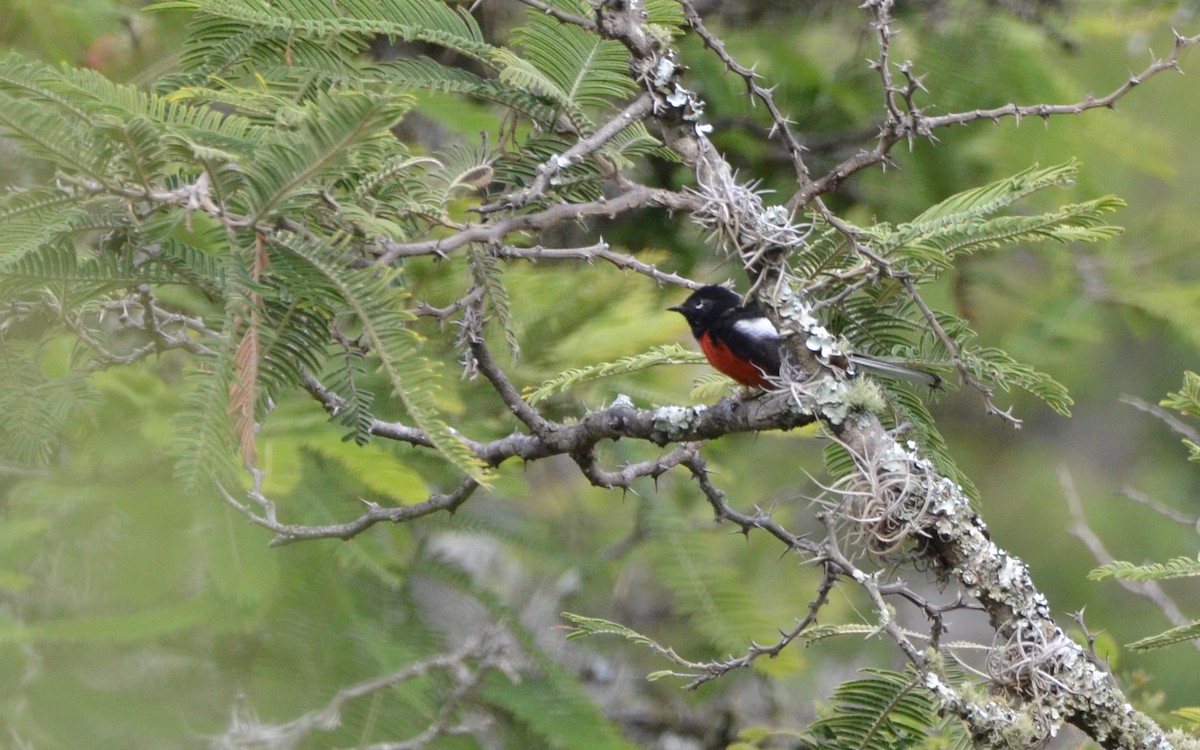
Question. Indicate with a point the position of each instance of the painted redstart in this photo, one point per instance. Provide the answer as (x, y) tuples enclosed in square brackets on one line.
[(741, 342)]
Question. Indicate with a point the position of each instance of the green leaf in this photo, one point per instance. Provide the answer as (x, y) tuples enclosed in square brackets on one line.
[(991, 198), (561, 720), (996, 366), (204, 444), (938, 246), (576, 68), (1187, 398), (33, 219), (667, 354), (35, 410), (1179, 567), (1170, 637), (1190, 713), (371, 297), (426, 74), (886, 711), (332, 126), (486, 271), (589, 626), (242, 35), (705, 585)]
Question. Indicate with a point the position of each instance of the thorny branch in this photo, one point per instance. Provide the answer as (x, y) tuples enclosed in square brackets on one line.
[(907, 122), (600, 251), (620, 420), (781, 123), (157, 329), (637, 197)]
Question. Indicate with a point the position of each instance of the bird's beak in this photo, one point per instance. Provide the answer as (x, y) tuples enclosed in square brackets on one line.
[(676, 308)]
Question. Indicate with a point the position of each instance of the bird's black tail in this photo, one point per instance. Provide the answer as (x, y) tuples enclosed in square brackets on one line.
[(896, 369)]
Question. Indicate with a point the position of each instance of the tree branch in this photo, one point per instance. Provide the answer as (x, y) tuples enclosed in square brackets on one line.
[(634, 198)]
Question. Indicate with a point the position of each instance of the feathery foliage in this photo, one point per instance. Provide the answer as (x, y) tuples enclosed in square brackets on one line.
[(884, 711), (667, 354), (575, 69), (1189, 632), (881, 319), (371, 298), (1187, 401), (1179, 567)]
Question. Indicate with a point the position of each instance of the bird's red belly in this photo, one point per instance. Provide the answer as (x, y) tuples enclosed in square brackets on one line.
[(721, 358)]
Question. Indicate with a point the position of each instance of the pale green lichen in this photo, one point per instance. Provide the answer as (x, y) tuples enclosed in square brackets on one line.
[(674, 422), (829, 399)]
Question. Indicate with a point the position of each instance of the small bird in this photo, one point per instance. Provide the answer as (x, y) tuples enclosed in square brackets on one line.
[(741, 342)]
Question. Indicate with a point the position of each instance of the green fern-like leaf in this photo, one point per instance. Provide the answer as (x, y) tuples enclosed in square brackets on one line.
[(333, 126), (998, 367), (577, 184), (575, 68), (1191, 713), (886, 711), (1077, 222), (882, 319), (44, 134), (1187, 401), (966, 222), (987, 200), (423, 73), (35, 410), (486, 271), (348, 378), (372, 300), (666, 16), (33, 219), (1189, 632), (232, 35), (85, 123), (668, 354), (633, 143), (1187, 398), (589, 626), (204, 444), (1179, 567), (711, 386), (706, 587)]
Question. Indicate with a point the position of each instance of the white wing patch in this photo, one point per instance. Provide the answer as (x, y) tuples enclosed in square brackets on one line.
[(758, 329)]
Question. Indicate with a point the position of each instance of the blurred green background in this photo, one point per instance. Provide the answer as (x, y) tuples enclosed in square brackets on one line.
[(133, 614)]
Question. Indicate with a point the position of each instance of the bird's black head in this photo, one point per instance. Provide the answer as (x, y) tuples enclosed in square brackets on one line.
[(705, 305)]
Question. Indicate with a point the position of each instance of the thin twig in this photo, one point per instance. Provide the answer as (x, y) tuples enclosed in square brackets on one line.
[(635, 198), (1080, 529), (600, 251), (1177, 426), (546, 172)]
